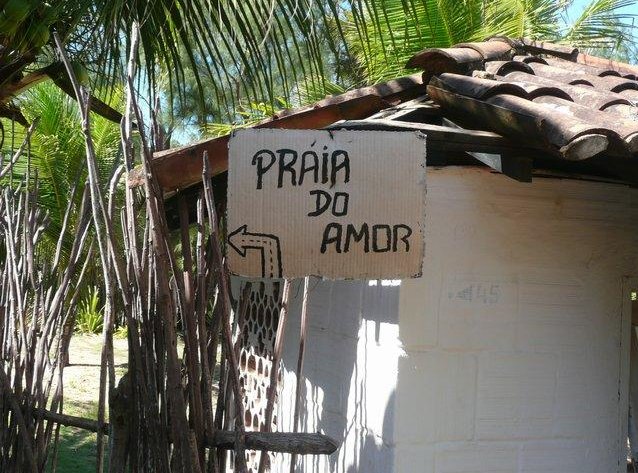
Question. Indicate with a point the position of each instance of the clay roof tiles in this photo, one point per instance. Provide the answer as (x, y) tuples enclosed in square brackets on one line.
[(528, 101), (535, 91)]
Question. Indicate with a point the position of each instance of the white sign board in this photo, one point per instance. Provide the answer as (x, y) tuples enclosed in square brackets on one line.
[(336, 204)]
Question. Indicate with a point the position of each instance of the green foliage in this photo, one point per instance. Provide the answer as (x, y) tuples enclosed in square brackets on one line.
[(249, 115), (225, 50), (121, 332), (319, 90), (252, 113), (57, 152), (25, 24), (212, 58), (90, 316), (305, 50), (600, 27), (384, 34)]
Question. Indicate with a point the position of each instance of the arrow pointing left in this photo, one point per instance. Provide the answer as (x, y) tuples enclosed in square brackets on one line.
[(241, 240)]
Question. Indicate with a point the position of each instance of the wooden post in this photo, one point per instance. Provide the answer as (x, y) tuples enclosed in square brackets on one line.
[(302, 350), (284, 442), (224, 294), (274, 369)]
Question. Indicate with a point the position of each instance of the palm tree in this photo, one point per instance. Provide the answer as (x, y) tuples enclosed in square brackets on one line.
[(57, 150), (230, 52), (227, 41), (383, 34), (363, 42)]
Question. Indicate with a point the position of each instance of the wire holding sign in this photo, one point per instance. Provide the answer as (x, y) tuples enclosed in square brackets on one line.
[(338, 204)]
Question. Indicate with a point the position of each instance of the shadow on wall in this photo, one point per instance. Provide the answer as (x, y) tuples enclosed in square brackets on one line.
[(350, 370)]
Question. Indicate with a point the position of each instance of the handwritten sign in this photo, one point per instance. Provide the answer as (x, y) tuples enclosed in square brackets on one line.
[(340, 204)]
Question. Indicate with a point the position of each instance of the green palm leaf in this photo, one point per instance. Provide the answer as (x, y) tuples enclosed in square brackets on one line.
[(600, 26), (212, 56), (57, 151)]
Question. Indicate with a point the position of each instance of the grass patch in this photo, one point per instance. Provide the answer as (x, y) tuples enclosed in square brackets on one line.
[(77, 447)]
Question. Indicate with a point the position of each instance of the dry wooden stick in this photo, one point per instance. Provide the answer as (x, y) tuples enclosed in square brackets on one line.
[(102, 223), (274, 369), (20, 150), (207, 369), (17, 412), (142, 399), (166, 306), (27, 357), (63, 356), (225, 394), (224, 294), (107, 358), (147, 347), (284, 442), (18, 225), (302, 351), (244, 302), (65, 221), (190, 333)]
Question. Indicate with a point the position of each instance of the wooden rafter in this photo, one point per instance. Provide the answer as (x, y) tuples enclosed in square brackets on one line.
[(178, 168)]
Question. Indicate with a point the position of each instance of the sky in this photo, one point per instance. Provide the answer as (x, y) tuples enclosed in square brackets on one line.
[(185, 134), (578, 6)]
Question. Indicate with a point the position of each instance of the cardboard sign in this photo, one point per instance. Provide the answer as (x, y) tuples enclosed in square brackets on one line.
[(336, 204)]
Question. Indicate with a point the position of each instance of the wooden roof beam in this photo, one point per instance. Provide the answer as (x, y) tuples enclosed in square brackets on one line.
[(443, 138), (178, 168)]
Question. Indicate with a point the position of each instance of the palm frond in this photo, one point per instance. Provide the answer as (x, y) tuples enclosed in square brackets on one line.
[(319, 90), (57, 152), (383, 34), (212, 56), (601, 26), (521, 18), (248, 115)]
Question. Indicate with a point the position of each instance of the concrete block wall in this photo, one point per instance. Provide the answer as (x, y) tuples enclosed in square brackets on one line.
[(506, 356)]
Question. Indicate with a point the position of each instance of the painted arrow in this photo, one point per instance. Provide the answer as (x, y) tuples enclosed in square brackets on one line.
[(241, 240)]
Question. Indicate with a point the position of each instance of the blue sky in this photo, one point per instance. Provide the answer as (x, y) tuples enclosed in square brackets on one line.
[(578, 6), (187, 133)]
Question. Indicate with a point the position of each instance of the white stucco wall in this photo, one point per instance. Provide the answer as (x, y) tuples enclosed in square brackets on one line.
[(504, 357)]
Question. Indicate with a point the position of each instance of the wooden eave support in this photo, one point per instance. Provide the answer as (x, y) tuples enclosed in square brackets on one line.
[(178, 168), (441, 138), (516, 166)]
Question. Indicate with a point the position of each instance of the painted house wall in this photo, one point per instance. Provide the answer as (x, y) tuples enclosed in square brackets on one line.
[(504, 357)]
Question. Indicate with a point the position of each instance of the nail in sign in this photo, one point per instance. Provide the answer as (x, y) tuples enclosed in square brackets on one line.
[(336, 204)]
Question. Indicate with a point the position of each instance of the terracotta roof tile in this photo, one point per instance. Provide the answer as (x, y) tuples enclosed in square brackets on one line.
[(588, 96), (624, 132), (505, 67), (494, 49), (569, 96), (537, 98), (527, 58), (630, 94), (570, 76), (574, 66), (626, 70)]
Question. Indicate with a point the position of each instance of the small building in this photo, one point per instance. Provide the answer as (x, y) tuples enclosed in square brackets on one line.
[(514, 352)]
